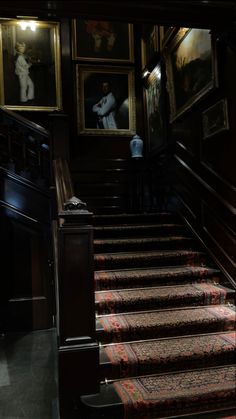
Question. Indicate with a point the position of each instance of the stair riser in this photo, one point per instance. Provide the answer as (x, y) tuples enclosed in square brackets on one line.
[(123, 247), (155, 304), (161, 331), (136, 231), (162, 218), (146, 261), (110, 371)]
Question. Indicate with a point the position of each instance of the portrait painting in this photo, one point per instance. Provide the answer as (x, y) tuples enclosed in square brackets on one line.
[(154, 102), (30, 65), (191, 68), (105, 100), (102, 41)]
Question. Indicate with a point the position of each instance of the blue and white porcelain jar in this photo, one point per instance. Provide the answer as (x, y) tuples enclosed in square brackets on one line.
[(136, 146)]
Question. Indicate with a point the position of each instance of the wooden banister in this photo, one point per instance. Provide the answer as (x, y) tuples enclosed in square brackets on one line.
[(24, 122), (24, 147)]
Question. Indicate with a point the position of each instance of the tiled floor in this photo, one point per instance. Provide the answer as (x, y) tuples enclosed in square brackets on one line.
[(28, 380)]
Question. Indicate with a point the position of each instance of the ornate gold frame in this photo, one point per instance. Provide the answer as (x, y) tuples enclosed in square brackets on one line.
[(8, 26), (175, 79), (97, 74), (129, 40)]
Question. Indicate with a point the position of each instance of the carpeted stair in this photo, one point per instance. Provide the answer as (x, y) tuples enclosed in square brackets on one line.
[(165, 323)]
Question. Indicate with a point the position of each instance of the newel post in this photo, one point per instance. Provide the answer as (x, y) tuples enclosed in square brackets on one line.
[(78, 354)]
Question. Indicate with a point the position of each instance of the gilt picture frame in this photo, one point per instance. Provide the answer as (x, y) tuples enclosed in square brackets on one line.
[(30, 72), (102, 41), (94, 115), (191, 69), (215, 119)]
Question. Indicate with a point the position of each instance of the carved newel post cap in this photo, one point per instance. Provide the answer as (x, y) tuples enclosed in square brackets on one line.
[(74, 203)]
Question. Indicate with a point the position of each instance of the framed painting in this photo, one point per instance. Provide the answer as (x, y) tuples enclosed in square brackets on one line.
[(149, 44), (105, 100), (154, 104), (191, 69), (30, 65), (97, 40), (215, 119)]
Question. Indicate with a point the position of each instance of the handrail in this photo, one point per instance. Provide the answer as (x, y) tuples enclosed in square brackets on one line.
[(25, 147), (23, 121)]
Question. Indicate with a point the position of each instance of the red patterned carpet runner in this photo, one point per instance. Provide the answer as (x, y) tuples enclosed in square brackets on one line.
[(165, 320), (177, 393), (153, 324), (162, 297), (155, 356), (131, 278), (147, 258)]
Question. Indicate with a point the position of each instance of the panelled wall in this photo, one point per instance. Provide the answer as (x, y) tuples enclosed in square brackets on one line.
[(205, 166)]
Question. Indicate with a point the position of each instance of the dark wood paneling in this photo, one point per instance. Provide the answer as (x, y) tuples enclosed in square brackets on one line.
[(223, 237), (76, 288), (24, 196), (189, 13), (27, 288), (210, 214)]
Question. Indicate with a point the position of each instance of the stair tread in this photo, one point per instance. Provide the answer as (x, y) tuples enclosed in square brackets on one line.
[(193, 389), (158, 270), (175, 344), (113, 301), (159, 355), (148, 258), (158, 323), (168, 394), (136, 277)]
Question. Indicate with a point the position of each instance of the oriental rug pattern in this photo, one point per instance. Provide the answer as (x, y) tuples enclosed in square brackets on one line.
[(173, 322), (184, 392), (161, 297), (153, 356), (165, 319)]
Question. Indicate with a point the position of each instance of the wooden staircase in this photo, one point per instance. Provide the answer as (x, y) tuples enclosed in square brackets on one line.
[(165, 323)]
